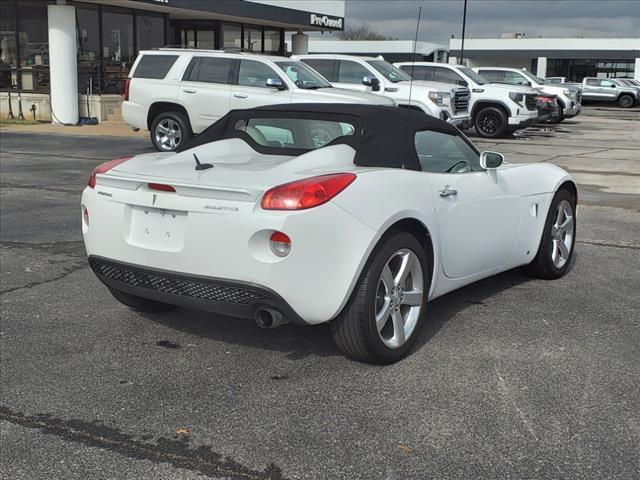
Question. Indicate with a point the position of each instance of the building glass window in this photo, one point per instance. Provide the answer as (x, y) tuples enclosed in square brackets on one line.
[(231, 35), (8, 47), (117, 49), (271, 41), (33, 46), (149, 31), (88, 45), (205, 39), (253, 39)]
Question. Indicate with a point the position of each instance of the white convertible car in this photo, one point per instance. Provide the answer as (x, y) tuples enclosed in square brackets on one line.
[(355, 215)]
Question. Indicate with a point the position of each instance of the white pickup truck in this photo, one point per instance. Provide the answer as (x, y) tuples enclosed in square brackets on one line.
[(569, 97), (496, 109), (446, 101)]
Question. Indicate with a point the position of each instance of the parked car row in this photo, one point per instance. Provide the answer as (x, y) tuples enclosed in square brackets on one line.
[(176, 93)]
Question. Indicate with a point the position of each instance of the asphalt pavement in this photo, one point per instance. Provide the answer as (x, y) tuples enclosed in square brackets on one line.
[(512, 378)]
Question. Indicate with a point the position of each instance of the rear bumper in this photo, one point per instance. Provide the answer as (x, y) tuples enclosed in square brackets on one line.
[(134, 114), (462, 123), (237, 299)]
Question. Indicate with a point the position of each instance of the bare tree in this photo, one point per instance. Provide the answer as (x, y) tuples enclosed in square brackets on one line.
[(363, 32)]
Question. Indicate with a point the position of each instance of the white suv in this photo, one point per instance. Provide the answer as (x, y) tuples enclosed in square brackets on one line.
[(175, 93), (441, 100), (496, 109)]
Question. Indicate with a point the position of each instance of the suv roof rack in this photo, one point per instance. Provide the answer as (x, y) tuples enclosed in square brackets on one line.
[(186, 49)]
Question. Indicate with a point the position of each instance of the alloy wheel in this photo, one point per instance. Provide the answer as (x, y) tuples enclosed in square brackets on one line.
[(562, 234), (399, 298), (489, 123), (168, 134)]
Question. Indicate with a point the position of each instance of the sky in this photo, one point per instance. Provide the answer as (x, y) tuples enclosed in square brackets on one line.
[(489, 18)]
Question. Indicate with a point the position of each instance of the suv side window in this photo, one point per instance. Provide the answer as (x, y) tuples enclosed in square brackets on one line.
[(447, 76), (255, 74), (492, 75), (594, 82), (514, 78), (154, 66), (352, 72), (325, 67), (209, 70), (445, 153), (606, 83), (420, 72)]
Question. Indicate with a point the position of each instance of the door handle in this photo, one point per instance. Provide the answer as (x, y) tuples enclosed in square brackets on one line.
[(448, 192), (240, 95), (188, 90)]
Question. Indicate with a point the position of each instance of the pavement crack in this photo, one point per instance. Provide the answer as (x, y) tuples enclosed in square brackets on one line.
[(41, 188), (504, 390), (177, 452), (65, 273), (47, 247), (604, 243)]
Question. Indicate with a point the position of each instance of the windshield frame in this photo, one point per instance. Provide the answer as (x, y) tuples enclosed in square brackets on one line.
[(392, 70), (323, 82)]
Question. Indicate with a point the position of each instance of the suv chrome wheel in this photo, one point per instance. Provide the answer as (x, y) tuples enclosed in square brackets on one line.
[(399, 298), (168, 134), (562, 234)]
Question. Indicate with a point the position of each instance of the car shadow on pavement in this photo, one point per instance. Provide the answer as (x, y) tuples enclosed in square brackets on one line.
[(302, 342), (444, 308)]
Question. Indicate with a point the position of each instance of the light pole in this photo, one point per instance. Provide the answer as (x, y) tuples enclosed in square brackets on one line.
[(464, 25)]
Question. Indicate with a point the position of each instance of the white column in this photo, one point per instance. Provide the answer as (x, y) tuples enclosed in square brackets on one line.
[(636, 72), (542, 67), (63, 65), (299, 44)]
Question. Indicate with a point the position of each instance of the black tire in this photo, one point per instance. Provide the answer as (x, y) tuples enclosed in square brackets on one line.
[(542, 265), (560, 116), (140, 304), (491, 122), (626, 101), (173, 119), (354, 331)]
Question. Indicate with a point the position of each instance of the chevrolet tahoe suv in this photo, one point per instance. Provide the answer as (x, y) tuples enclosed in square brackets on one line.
[(175, 93), (496, 109), (569, 97), (446, 101)]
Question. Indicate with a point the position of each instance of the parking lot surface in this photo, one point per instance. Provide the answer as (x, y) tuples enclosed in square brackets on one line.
[(511, 377)]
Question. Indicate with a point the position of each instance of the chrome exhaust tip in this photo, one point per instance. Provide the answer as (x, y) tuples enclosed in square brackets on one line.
[(269, 318)]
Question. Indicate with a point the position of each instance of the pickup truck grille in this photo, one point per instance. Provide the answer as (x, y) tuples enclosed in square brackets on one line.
[(530, 101), (461, 102)]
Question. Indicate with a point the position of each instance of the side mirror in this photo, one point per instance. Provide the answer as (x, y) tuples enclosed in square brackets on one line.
[(489, 160), (276, 83), (526, 83), (372, 82), (464, 83), (612, 86)]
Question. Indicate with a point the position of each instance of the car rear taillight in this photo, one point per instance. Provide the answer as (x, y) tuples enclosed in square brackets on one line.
[(280, 244), (307, 193), (125, 88), (161, 186), (105, 167)]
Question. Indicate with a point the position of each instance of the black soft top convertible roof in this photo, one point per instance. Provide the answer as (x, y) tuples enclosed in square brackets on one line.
[(384, 135)]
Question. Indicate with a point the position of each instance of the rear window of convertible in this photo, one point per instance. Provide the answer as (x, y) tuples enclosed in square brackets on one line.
[(294, 133), (154, 66)]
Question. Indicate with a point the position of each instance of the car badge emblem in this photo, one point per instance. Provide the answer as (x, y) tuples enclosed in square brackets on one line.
[(155, 197)]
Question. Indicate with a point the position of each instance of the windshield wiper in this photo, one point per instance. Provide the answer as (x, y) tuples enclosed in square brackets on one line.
[(201, 166), (316, 87)]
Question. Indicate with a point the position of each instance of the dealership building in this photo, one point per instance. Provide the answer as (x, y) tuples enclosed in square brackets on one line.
[(51, 49), (574, 58)]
